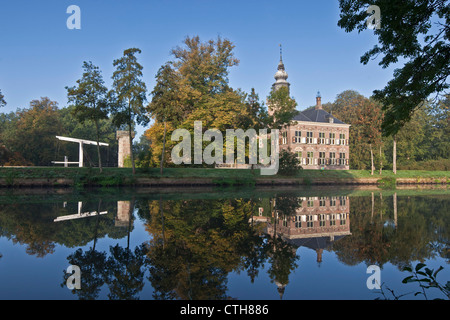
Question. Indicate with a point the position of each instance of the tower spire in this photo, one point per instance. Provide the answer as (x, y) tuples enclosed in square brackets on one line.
[(281, 75), (281, 53)]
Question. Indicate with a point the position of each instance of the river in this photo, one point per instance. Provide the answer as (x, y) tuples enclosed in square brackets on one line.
[(199, 244)]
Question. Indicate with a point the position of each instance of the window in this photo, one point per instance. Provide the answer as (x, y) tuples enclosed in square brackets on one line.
[(332, 201), (342, 138), (321, 137), (333, 220), (310, 156), (310, 203), (297, 137), (332, 158), (298, 221), (342, 158), (342, 200), (309, 136), (309, 221), (322, 202), (284, 135), (299, 156), (322, 158), (343, 220), (285, 222), (322, 220), (332, 138)]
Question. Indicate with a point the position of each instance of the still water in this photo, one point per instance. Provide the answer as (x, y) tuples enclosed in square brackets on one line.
[(221, 244)]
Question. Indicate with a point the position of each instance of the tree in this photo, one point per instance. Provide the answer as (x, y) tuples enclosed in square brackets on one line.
[(282, 107), (90, 100), (2, 100), (370, 118), (415, 31), (289, 164), (194, 87), (35, 131), (258, 117), (128, 94), (165, 101)]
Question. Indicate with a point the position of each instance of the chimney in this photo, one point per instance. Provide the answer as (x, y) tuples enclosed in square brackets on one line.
[(318, 101)]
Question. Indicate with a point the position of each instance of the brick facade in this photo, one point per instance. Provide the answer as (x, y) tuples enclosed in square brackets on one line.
[(320, 143)]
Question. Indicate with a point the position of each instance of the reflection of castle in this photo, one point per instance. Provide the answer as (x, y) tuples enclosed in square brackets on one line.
[(316, 224)]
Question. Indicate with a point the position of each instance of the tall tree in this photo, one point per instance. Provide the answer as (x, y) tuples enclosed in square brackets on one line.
[(415, 31), (282, 107), (165, 101), (370, 118), (257, 113), (194, 86), (2, 99), (90, 100), (128, 94)]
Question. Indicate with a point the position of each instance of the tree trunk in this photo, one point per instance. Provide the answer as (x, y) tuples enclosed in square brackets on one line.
[(131, 148), (98, 147), (381, 158), (394, 156), (163, 148), (371, 160)]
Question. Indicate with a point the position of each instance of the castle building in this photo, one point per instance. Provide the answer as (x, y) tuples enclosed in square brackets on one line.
[(319, 140)]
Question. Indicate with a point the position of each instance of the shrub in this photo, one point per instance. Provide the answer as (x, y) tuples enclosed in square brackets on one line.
[(289, 164)]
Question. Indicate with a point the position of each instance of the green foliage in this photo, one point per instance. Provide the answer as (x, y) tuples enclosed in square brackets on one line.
[(128, 94), (427, 279), (414, 31), (2, 100), (89, 99), (282, 106), (430, 165), (289, 164)]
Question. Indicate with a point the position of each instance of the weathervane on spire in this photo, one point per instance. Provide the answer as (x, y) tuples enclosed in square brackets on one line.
[(281, 53)]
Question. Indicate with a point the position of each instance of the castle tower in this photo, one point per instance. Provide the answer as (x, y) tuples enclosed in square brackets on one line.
[(124, 146), (281, 75), (280, 80), (318, 101)]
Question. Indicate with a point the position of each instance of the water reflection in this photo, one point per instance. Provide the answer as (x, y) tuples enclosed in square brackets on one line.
[(188, 247)]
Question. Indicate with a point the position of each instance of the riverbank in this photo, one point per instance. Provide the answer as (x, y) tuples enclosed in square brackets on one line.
[(26, 177)]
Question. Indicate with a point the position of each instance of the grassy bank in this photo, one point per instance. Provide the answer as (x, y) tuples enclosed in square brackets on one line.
[(83, 177)]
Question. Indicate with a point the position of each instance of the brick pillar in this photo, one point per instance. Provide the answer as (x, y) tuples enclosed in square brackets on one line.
[(124, 146), (318, 102)]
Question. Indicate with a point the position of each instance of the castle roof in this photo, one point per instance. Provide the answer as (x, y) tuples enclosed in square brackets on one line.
[(316, 115)]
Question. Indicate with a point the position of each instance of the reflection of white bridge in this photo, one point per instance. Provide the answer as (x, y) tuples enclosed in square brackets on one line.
[(79, 215)]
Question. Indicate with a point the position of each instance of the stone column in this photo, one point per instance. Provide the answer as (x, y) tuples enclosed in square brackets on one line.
[(124, 146)]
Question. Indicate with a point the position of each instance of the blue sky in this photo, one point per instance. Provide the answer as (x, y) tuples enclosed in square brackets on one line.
[(40, 56)]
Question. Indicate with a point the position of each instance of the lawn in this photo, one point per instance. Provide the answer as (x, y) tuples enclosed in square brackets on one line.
[(183, 173)]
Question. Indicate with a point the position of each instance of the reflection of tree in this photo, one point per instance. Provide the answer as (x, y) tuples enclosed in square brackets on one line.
[(399, 236), (286, 205), (125, 273), (32, 225), (28, 224), (92, 266), (202, 241)]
